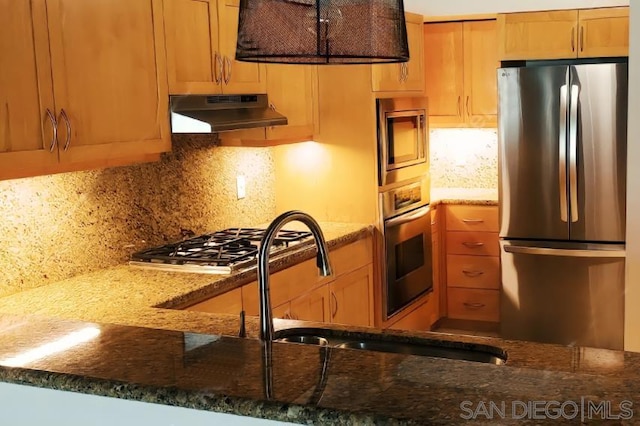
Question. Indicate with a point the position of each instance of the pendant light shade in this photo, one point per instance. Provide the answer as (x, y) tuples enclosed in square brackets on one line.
[(322, 31)]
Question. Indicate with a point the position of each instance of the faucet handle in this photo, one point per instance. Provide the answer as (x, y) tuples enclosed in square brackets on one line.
[(243, 331)]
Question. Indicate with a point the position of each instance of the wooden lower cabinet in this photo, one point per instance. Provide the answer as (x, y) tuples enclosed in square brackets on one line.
[(227, 303), (351, 298), (474, 304), (313, 306), (300, 293)]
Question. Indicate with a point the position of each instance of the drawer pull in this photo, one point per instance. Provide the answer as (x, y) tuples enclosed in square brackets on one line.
[(473, 220), (472, 274), (469, 244), (473, 305)]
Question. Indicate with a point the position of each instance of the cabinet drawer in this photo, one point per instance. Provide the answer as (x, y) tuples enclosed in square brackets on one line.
[(472, 218), (473, 271), (473, 304), (473, 243)]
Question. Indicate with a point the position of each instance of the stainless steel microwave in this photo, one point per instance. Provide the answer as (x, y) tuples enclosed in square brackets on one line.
[(403, 139)]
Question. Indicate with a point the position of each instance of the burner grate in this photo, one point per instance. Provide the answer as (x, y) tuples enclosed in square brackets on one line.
[(233, 246)]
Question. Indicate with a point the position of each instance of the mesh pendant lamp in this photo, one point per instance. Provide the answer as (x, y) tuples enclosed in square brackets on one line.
[(322, 31)]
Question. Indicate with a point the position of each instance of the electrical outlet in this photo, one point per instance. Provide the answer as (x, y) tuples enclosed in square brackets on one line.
[(241, 186)]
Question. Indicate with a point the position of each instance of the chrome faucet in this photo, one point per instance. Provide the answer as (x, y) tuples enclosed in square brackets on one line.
[(322, 260)]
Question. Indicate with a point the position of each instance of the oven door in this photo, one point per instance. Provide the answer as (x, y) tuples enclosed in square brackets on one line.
[(408, 258)]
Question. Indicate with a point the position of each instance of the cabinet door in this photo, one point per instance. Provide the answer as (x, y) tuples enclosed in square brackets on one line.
[(404, 76), (26, 133), (239, 77), (291, 92), (538, 35), (312, 306), (194, 63), (603, 32), (414, 79), (227, 303), (480, 81), (110, 78), (444, 77), (351, 297)]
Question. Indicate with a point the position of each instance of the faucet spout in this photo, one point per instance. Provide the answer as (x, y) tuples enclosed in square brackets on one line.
[(322, 261)]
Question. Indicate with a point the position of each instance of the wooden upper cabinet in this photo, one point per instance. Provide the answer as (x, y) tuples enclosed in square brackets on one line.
[(603, 32), (93, 71), (460, 72), (109, 78), (238, 77), (193, 61), (444, 71), (538, 35), (407, 76), (480, 80), (566, 34), (201, 37), (26, 92)]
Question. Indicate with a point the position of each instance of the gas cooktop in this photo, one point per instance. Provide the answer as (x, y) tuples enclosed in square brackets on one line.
[(221, 252)]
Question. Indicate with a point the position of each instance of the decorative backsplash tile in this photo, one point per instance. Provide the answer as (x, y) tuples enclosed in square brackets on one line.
[(464, 158), (57, 226)]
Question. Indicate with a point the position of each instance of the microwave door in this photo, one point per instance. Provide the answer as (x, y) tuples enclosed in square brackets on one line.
[(405, 145)]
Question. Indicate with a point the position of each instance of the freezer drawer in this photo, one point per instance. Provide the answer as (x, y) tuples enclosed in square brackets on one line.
[(562, 293)]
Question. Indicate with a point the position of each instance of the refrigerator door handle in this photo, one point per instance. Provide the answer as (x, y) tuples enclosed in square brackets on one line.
[(573, 153), (544, 251), (562, 154)]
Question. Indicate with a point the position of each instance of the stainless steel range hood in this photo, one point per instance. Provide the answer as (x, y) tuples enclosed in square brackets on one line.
[(222, 113)]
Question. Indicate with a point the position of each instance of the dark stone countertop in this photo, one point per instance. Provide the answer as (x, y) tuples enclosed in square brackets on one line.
[(226, 374)]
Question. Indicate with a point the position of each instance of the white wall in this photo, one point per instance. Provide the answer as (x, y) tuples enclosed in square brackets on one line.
[(469, 7), (632, 295)]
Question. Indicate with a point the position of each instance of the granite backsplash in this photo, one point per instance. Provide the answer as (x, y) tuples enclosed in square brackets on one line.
[(464, 158), (58, 226)]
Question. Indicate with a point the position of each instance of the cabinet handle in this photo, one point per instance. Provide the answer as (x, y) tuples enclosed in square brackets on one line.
[(406, 71), (217, 67), (67, 123), (467, 105), (581, 38), (473, 305), (54, 126), (472, 274), (226, 70), (459, 106), (473, 220), (573, 39), (335, 302), (472, 244)]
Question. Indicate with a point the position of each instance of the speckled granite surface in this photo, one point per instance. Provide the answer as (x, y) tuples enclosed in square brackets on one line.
[(59, 226), (128, 295), (469, 196), (464, 158), (227, 374)]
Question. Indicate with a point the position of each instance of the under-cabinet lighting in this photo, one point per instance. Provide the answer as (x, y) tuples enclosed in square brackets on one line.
[(60, 345)]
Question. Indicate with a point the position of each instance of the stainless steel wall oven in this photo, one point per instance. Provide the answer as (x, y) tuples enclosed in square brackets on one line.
[(407, 241)]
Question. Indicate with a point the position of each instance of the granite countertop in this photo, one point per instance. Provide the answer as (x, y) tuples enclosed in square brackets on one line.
[(227, 374), (135, 296), (468, 196), (181, 358)]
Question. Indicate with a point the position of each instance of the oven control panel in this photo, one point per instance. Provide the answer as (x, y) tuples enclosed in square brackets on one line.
[(404, 198)]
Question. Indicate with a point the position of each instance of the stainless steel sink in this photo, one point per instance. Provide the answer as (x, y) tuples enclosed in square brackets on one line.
[(394, 344)]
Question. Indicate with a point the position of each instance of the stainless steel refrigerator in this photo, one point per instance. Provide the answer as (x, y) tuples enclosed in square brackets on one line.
[(562, 137)]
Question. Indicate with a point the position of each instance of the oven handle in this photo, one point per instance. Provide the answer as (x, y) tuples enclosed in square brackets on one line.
[(407, 217)]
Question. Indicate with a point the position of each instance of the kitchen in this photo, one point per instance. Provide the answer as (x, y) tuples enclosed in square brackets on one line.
[(127, 209)]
